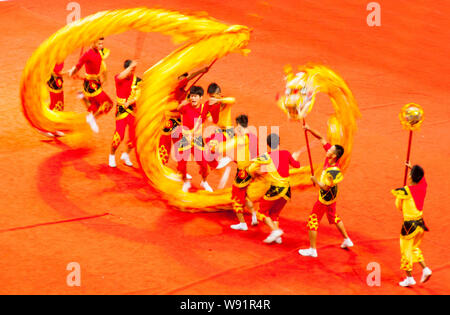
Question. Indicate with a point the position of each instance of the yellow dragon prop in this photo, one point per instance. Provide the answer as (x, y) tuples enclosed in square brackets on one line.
[(205, 40)]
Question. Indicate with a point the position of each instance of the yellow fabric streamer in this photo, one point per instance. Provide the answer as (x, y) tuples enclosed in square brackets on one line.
[(83, 33), (208, 40), (299, 99)]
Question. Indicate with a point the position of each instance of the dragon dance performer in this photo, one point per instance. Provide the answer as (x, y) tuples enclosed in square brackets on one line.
[(97, 100), (128, 89), (218, 110), (330, 177), (55, 87), (173, 118), (245, 146), (274, 166), (191, 142), (410, 200)]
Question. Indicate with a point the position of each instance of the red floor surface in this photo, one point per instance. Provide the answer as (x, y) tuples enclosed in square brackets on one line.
[(61, 205)]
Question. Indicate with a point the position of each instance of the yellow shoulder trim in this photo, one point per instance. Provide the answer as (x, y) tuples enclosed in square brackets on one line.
[(401, 193), (105, 53)]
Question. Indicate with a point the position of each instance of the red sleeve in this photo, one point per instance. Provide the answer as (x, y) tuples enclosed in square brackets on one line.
[(83, 60), (180, 93), (183, 83), (58, 68), (215, 112), (183, 109), (205, 111), (294, 163), (327, 146)]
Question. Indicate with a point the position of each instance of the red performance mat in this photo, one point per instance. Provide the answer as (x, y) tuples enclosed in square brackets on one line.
[(62, 205)]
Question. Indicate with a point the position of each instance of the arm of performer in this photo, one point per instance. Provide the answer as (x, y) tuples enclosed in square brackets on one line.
[(182, 104), (127, 71), (74, 70), (315, 133), (296, 156), (104, 76), (194, 74), (399, 204), (255, 169), (133, 99), (293, 160), (321, 185), (224, 101)]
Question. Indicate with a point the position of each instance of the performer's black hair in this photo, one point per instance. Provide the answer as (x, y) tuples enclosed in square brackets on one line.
[(214, 88), (273, 141), (417, 173), (242, 120), (196, 90), (127, 63), (339, 151)]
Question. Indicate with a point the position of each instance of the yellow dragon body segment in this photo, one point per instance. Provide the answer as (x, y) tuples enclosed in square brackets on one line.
[(298, 100)]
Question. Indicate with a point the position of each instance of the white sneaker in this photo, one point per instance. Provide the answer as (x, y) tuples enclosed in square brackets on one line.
[(186, 186), (112, 160), (126, 159), (273, 236), (347, 243), (239, 227), (254, 220), (310, 252), (60, 133), (408, 282), (90, 119), (223, 162), (279, 240), (206, 186), (426, 275), (188, 176)]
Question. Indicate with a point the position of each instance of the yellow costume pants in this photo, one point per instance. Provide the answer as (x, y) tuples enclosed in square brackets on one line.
[(409, 247)]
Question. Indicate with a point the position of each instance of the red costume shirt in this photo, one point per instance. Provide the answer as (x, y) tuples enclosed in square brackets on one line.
[(58, 68), (189, 115), (92, 60), (214, 110), (123, 87), (282, 159)]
